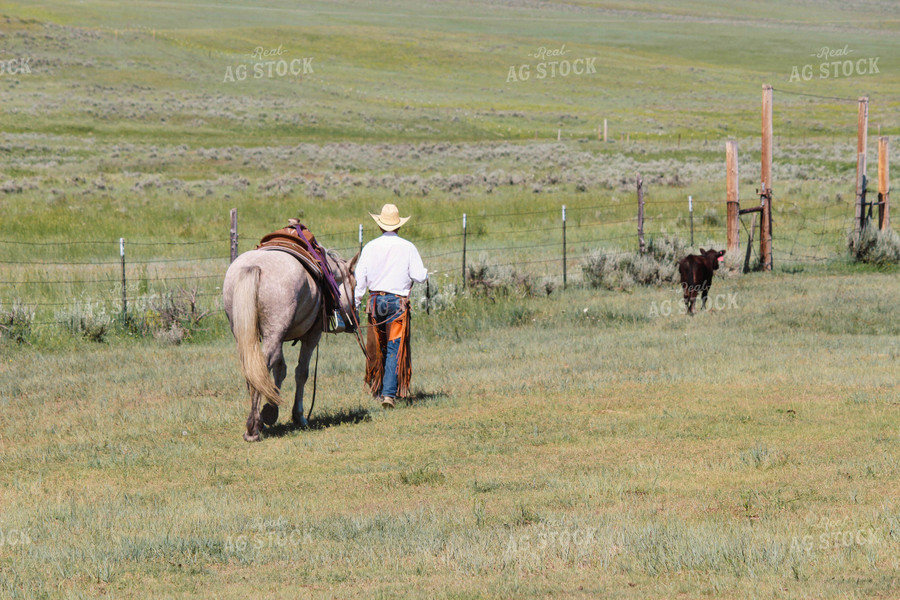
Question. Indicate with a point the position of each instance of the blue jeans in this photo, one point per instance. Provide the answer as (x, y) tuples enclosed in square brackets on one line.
[(387, 309)]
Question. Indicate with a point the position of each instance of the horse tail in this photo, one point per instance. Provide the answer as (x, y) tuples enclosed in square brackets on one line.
[(245, 321)]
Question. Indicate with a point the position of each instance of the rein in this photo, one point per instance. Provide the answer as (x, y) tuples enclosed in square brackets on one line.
[(389, 318), (360, 342), (397, 314), (354, 319), (312, 404)]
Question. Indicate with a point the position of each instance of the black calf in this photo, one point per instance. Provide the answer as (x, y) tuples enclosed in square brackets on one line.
[(696, 275)]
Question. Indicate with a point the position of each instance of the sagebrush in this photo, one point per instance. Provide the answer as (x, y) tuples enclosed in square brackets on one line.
[(16, 322), (622, 270), (876, 247)]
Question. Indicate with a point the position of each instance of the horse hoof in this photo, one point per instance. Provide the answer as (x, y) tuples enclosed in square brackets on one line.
[(251, 438), (301, 422), (269, 414)]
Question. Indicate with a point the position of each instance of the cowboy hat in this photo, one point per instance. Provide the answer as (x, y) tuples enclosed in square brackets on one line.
[(390, 218)]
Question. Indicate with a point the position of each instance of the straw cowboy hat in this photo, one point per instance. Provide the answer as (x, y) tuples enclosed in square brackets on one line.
[(390, 218)]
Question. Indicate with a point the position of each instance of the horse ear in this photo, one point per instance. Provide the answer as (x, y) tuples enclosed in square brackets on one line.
[(353, 261), (702, 251)]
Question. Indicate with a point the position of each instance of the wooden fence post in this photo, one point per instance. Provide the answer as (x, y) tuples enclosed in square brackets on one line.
[(640, 195), (862, 134), (360, 237), (765, 229), (732, 198), (604, 130), (234, 234), (884, 184), (464, 252)]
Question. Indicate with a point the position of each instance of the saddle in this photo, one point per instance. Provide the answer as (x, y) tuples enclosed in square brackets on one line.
[(299, 242)]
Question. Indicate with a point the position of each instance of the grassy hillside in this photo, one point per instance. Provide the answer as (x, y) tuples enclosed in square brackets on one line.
[(408, 71)]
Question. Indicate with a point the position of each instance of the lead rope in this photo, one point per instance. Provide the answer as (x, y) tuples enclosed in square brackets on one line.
[(361, 345), (315, 379), (357, 327)]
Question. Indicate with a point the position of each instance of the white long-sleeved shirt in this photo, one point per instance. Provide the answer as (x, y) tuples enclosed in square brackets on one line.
[(390, 264)]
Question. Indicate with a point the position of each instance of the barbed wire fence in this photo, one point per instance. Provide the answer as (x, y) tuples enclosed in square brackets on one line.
[(549, 245)]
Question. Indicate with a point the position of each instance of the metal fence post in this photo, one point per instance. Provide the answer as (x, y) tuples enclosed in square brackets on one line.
[(124, 296), (234, 234), (640, 195), (691, 212), (564, 244), (464, 252)]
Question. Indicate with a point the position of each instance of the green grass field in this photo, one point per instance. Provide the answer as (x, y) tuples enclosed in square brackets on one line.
[(574, 443), (748, 452)]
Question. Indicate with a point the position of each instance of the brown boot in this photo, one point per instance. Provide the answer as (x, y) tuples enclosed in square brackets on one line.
[(387, 402)]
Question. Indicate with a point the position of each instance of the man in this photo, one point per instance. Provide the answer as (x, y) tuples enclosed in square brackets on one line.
[(387, 267)]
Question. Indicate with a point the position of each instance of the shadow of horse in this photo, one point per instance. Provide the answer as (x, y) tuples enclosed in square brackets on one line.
[(351, 416), (323, 420)]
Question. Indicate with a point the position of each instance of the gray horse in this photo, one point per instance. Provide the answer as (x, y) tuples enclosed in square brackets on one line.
[(270, 298)]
